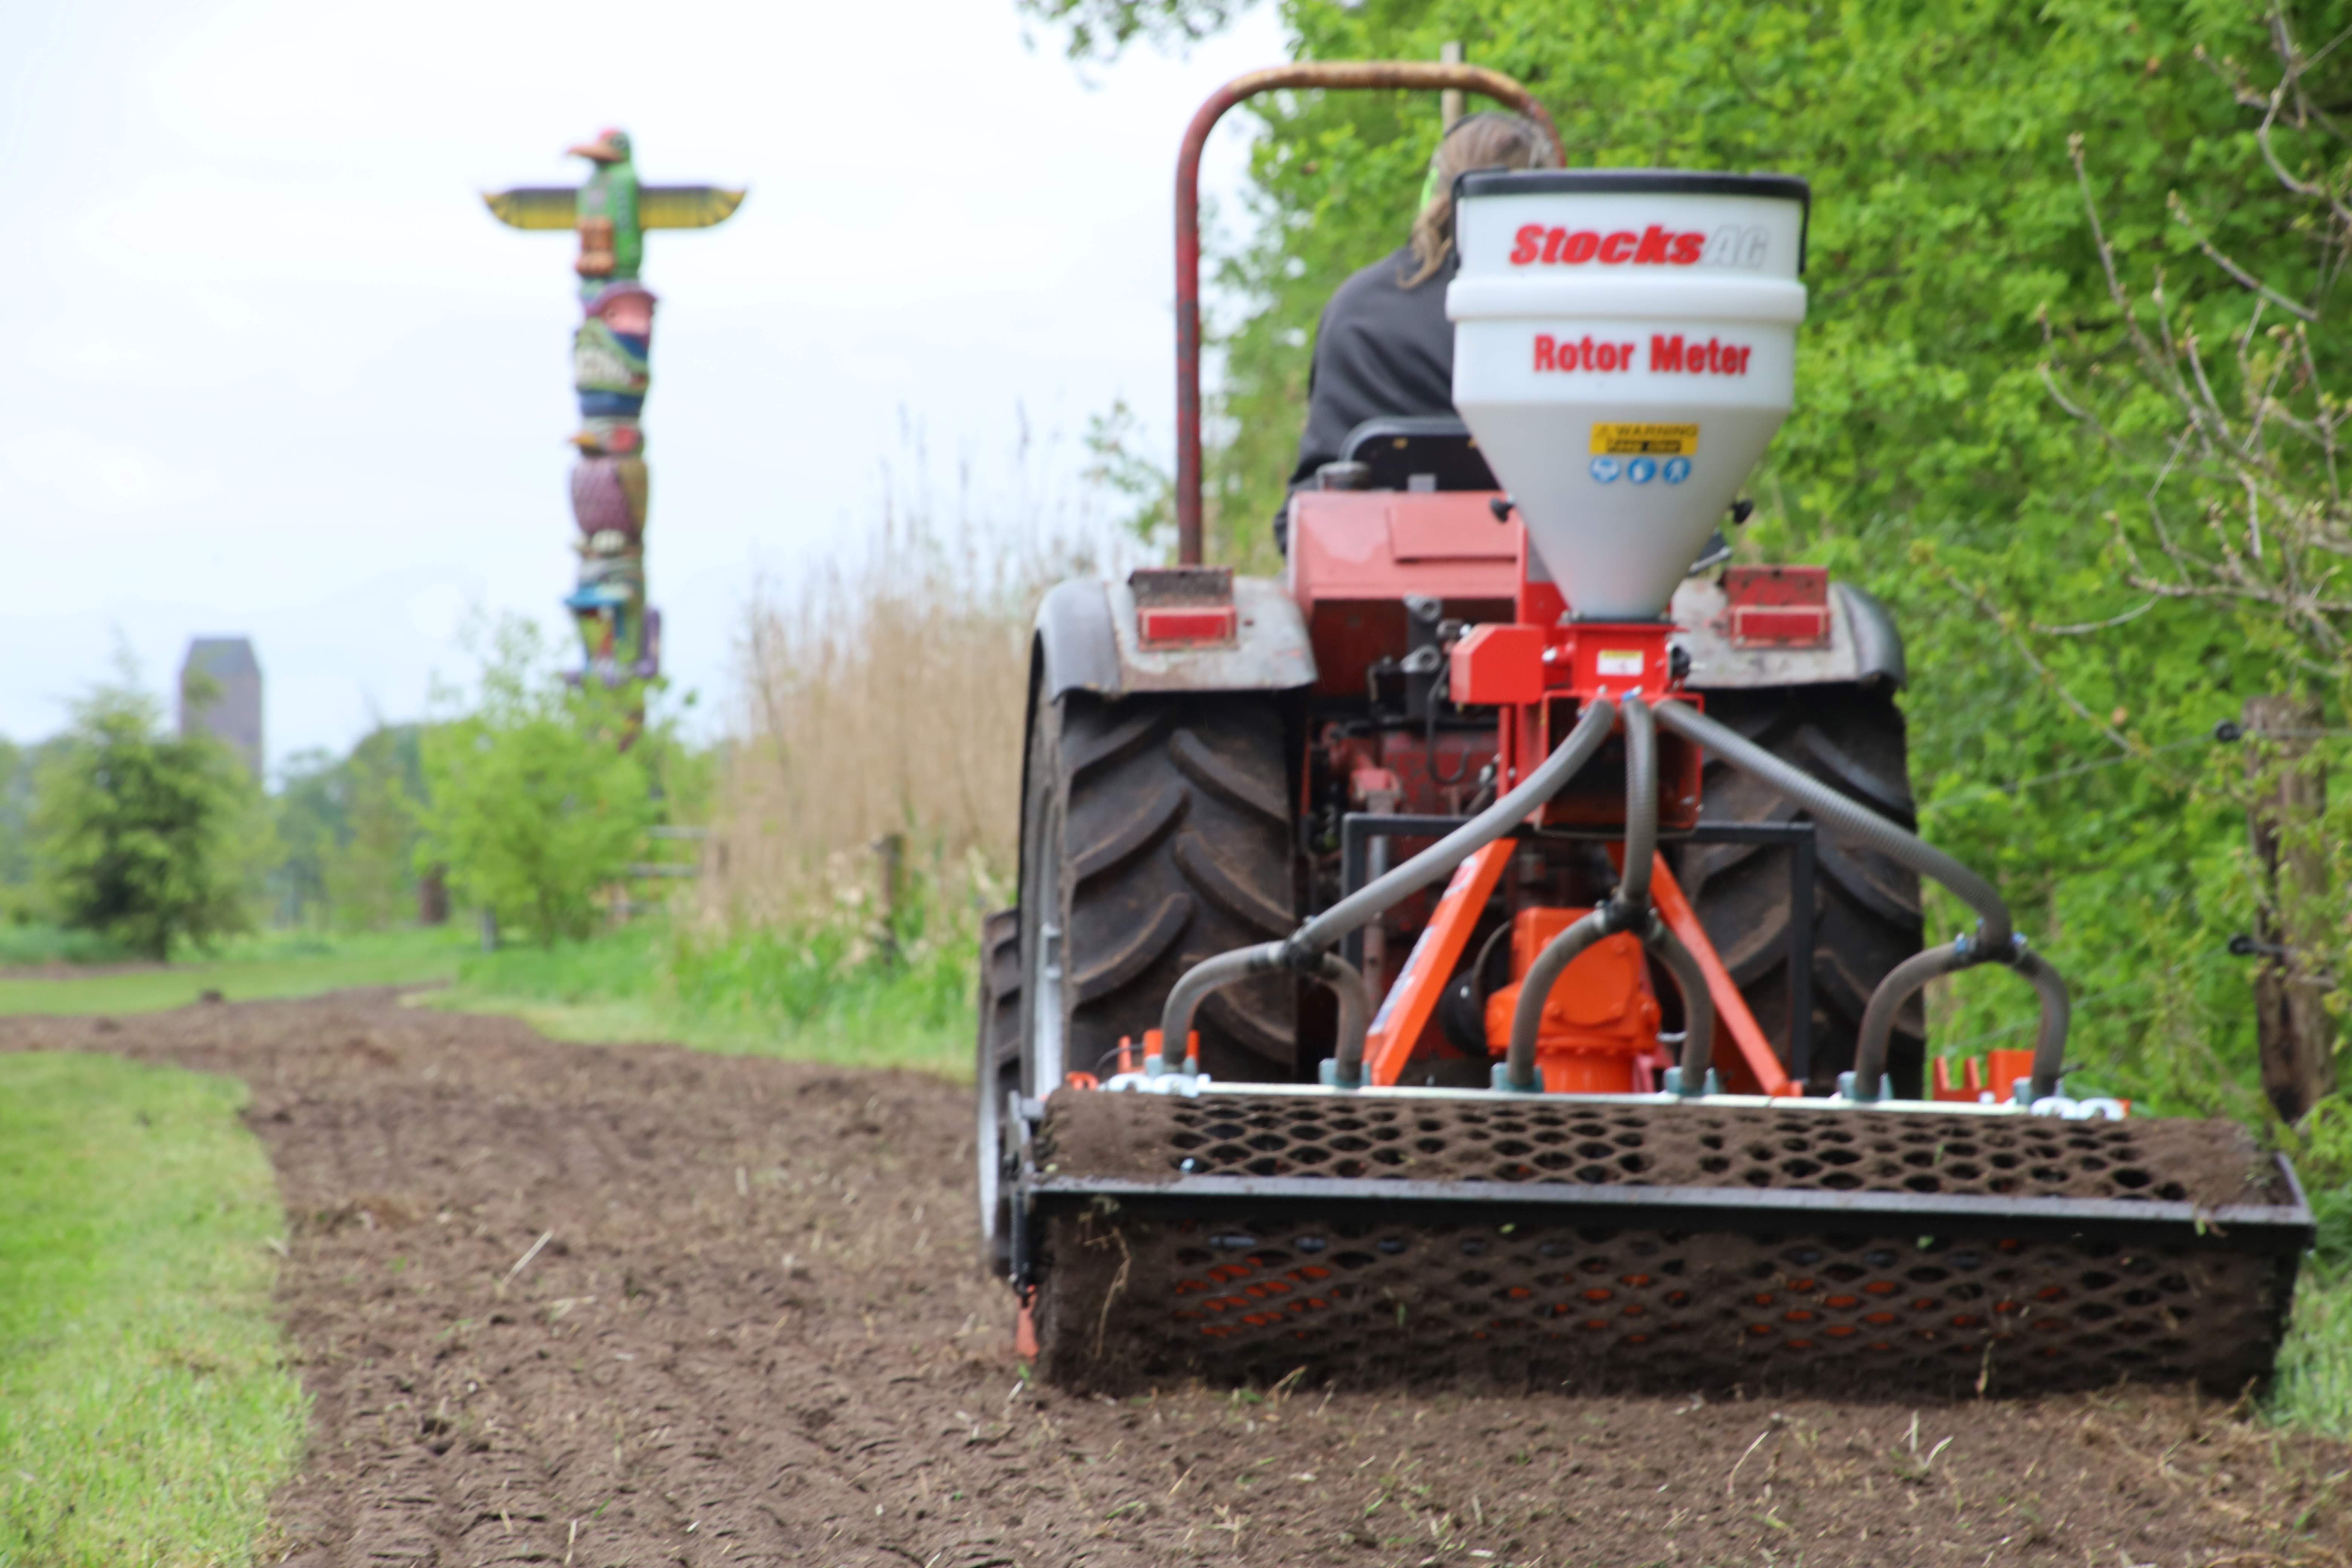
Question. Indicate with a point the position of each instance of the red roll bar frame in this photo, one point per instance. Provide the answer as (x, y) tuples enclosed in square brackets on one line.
[(1429, 75)]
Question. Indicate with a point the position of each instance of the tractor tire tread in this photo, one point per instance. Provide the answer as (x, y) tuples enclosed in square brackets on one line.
[(1225, 778), (1145, 943), (1098, 748), (1153, 817), (1875, 790), (1223, 886), (1178, 845)]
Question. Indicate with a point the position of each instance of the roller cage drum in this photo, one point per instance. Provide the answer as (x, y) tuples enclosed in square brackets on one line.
[(1610, 1245)]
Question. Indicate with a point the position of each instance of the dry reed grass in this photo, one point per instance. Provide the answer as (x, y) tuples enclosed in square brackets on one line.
[(883, 694)]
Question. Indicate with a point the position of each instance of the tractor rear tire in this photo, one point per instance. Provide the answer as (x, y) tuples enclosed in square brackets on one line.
[(1156, 832), (998, 1075), (1866, 913)]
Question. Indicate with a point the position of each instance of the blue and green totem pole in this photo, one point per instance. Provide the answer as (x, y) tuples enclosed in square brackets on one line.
[(620, 636)]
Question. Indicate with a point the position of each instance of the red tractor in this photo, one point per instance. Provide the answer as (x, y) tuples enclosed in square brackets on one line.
[(1495, 945)]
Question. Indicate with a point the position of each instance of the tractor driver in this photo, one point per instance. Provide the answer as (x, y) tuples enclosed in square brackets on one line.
[(1384, 348)]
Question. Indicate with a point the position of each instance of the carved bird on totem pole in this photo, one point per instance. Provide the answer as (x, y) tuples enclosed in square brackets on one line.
[(612, 243), (609, 496), (657, 207)]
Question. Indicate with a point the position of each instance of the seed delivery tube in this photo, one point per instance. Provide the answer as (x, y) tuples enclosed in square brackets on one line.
[(1994, 940), (1342, 977), (1304, 948), (1837, 811), (1629, 910), (1357, 907)]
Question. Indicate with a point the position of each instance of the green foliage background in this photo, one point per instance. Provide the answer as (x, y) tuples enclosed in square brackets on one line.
[(1927, 458), (347, 833)]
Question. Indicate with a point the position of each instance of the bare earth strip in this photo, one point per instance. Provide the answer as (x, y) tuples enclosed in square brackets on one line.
[(570, 1304)]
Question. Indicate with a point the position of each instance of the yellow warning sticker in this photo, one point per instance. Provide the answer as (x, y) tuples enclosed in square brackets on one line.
[(1644, 440)]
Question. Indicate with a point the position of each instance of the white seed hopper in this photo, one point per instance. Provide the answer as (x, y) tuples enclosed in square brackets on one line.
[(1625, 347)]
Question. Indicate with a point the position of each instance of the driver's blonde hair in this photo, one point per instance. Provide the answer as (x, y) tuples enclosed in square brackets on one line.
[(1493, 140)]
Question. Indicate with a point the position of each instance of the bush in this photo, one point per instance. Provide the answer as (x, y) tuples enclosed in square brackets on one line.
[(531, 800), (141, 837), (33, 944)]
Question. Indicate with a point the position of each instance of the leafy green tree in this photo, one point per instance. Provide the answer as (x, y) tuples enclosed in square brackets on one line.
[(531, 801), (143, 837), (2228, 428), (371, 874), (309, 822), (347, 832)]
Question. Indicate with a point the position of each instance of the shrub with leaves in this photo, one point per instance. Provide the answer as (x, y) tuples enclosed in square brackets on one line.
[(141, 837), (532, 800)]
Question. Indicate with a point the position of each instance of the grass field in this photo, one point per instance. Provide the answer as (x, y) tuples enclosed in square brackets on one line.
[(35, 943), (250, 969), (146, 1413), (817, 996)]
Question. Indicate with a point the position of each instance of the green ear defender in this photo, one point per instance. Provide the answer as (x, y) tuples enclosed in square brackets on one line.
[(1429, 184)]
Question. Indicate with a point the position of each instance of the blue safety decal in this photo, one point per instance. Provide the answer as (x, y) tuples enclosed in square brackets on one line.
[(1605, 469), (1677, 471), (1641, 471)]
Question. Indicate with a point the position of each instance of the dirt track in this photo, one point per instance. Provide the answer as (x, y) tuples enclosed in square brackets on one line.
[(755, 1333)]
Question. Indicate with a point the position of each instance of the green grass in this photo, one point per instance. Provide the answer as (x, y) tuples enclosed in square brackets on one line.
[(145, 1412), (27, 945), (821, 994), (250, 969), (2313, 1387)]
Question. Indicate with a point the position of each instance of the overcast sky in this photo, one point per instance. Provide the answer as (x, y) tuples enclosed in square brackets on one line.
[(267, 366)]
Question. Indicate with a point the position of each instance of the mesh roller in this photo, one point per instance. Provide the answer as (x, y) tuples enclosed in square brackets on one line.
[(1247, 1237)]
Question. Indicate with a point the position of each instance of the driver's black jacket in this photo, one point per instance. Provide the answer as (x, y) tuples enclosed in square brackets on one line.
[(1382, 349)]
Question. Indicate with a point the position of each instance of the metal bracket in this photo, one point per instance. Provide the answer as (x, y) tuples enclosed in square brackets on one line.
[(1022, 1117), (2283, 1228)]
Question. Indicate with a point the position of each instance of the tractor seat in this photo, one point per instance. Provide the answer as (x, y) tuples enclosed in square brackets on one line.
[(1418, 453)]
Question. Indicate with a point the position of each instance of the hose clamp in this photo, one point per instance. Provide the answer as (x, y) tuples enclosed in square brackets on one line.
[(1970, 949), (1617, 915)]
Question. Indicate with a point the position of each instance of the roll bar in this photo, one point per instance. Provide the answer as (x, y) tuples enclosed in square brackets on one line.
[(1428, 76)]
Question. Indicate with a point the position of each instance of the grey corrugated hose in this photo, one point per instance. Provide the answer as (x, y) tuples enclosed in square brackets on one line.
[(1439, 858), (1995, 939), (1836, 810), (1304, 948)]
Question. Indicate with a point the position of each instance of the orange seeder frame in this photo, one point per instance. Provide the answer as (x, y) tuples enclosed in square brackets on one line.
[(1743, 1056)]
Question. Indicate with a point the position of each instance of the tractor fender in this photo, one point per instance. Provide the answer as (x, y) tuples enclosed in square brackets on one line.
[(1072, 645), (1863, 647), (1086, 641)]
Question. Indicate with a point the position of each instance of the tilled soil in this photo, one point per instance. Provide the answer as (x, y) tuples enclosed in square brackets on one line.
[(567, 1304)]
